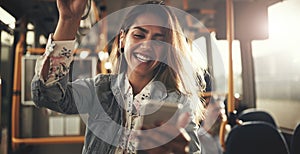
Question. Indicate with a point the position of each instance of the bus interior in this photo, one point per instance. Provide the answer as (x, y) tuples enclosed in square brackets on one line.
[(249, 47)]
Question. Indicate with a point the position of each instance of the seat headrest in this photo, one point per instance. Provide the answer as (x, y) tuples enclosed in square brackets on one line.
[(255, 137)]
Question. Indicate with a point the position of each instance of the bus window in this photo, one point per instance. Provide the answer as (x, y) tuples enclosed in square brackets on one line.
[(277, 65), (7, 18), (217, 65), (221, 66)]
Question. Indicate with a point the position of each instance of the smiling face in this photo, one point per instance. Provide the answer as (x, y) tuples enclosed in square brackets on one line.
[(144, 45)]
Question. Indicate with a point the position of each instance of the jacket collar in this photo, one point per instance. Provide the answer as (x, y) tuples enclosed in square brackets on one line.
[(157, 91)]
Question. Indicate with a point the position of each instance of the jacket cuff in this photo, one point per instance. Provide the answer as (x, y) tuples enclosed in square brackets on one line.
[(60, 55)]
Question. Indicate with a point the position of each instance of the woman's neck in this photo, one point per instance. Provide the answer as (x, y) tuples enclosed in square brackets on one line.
[(138, 82)]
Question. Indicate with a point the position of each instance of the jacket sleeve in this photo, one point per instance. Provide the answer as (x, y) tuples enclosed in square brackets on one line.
[(63, 96), (59, 55), (54, 91)]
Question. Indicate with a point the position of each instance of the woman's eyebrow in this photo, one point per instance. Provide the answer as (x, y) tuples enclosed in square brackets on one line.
[(147, 31), (141, 29)]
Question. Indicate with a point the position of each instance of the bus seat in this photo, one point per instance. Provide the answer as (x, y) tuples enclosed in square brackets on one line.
[(255, 137), (295, 149), (253, 114)]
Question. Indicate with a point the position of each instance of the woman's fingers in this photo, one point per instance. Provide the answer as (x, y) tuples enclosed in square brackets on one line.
[(166, 138), (152, 144), (153, 138), (165, 132), (180, 144)]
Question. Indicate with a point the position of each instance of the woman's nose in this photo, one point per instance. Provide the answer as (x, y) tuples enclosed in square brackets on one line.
[(145, 45)]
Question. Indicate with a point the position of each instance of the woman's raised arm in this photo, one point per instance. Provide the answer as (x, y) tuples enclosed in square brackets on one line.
[(70, 12)]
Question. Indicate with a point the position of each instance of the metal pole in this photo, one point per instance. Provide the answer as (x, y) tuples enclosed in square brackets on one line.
[(230, 99), (230, 37)]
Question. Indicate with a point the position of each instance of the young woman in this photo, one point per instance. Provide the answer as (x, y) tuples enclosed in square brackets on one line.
[(151, 61)]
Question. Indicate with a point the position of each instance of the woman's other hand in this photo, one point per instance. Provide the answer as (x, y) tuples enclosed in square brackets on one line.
[(166, 138)]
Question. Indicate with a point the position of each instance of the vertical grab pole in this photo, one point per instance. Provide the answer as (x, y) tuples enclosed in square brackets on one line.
[(230, 35), (230, 98), (15, 114), (16, 97)]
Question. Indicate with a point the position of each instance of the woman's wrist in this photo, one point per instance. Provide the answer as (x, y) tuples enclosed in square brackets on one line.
[(66, 29)]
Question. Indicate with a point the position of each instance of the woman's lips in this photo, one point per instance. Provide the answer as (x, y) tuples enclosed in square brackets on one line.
[(142, 58)]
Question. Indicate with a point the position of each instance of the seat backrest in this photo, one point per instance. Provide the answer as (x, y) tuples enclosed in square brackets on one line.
[(255, 137), (253, 114), (295, 142)]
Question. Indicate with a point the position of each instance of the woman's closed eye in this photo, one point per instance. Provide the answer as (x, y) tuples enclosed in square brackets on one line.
[(138, 35)]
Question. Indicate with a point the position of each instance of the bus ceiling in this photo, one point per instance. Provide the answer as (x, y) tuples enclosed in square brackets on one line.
[(44, 12)]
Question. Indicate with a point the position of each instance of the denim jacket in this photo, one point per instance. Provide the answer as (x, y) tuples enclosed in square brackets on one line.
[(100, 99)]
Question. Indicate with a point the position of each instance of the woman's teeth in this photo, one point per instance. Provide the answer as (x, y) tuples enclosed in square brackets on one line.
[(142, 58)]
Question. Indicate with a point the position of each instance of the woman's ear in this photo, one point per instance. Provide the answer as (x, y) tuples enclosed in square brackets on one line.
[(122, 39)]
